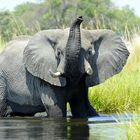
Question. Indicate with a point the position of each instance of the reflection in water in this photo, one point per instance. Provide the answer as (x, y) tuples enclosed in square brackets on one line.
[(33, 129), (100, 128), (43, 129), (77, 129)]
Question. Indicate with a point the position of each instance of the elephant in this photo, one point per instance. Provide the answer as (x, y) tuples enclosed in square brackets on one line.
[(54, 67)]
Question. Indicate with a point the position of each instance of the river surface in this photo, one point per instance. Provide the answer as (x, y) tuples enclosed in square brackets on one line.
[(105, 127)]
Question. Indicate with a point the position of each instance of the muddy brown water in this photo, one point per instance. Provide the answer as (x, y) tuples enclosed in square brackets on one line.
[(105, 127)]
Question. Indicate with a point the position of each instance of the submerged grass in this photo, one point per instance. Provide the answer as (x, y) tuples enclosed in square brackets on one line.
[(133, 129), (121, 92)]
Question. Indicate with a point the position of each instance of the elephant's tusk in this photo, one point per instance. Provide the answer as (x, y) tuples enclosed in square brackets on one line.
[(89, 71), (55, 74)]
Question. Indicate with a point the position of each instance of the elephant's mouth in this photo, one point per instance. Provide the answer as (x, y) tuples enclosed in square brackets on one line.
[(56, 74), (72, 81)]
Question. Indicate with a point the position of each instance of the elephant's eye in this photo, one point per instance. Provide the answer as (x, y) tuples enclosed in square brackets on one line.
[(58, 53), (53, 43), (89, 52)]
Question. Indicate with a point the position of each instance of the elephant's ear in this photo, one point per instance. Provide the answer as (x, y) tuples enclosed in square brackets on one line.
[(109, 58), (39, 57)]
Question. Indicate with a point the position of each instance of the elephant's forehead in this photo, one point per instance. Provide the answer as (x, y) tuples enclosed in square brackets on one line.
[(86, 40), (61, 37), (62, 42)]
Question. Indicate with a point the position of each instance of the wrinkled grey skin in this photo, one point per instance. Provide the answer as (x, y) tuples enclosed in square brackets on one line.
[(44, 72)]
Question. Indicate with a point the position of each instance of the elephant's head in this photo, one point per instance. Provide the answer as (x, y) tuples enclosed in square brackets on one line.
[(50, 54), (57, 55)]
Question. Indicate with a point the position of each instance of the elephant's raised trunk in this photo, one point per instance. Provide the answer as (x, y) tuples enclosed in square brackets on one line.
[(72, 68)]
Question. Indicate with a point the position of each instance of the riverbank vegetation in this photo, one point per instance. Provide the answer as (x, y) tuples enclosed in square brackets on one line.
[(28, 18)]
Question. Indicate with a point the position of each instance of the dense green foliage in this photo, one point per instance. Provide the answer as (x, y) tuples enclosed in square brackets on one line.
[(28, 18)]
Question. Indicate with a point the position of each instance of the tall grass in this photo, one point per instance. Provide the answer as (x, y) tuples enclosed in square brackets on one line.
[(122, 92)]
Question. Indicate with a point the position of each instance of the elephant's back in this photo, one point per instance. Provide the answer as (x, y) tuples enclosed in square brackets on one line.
[(15, 74), (11, 59), (14, 49), (12, 55), (11, 62)]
